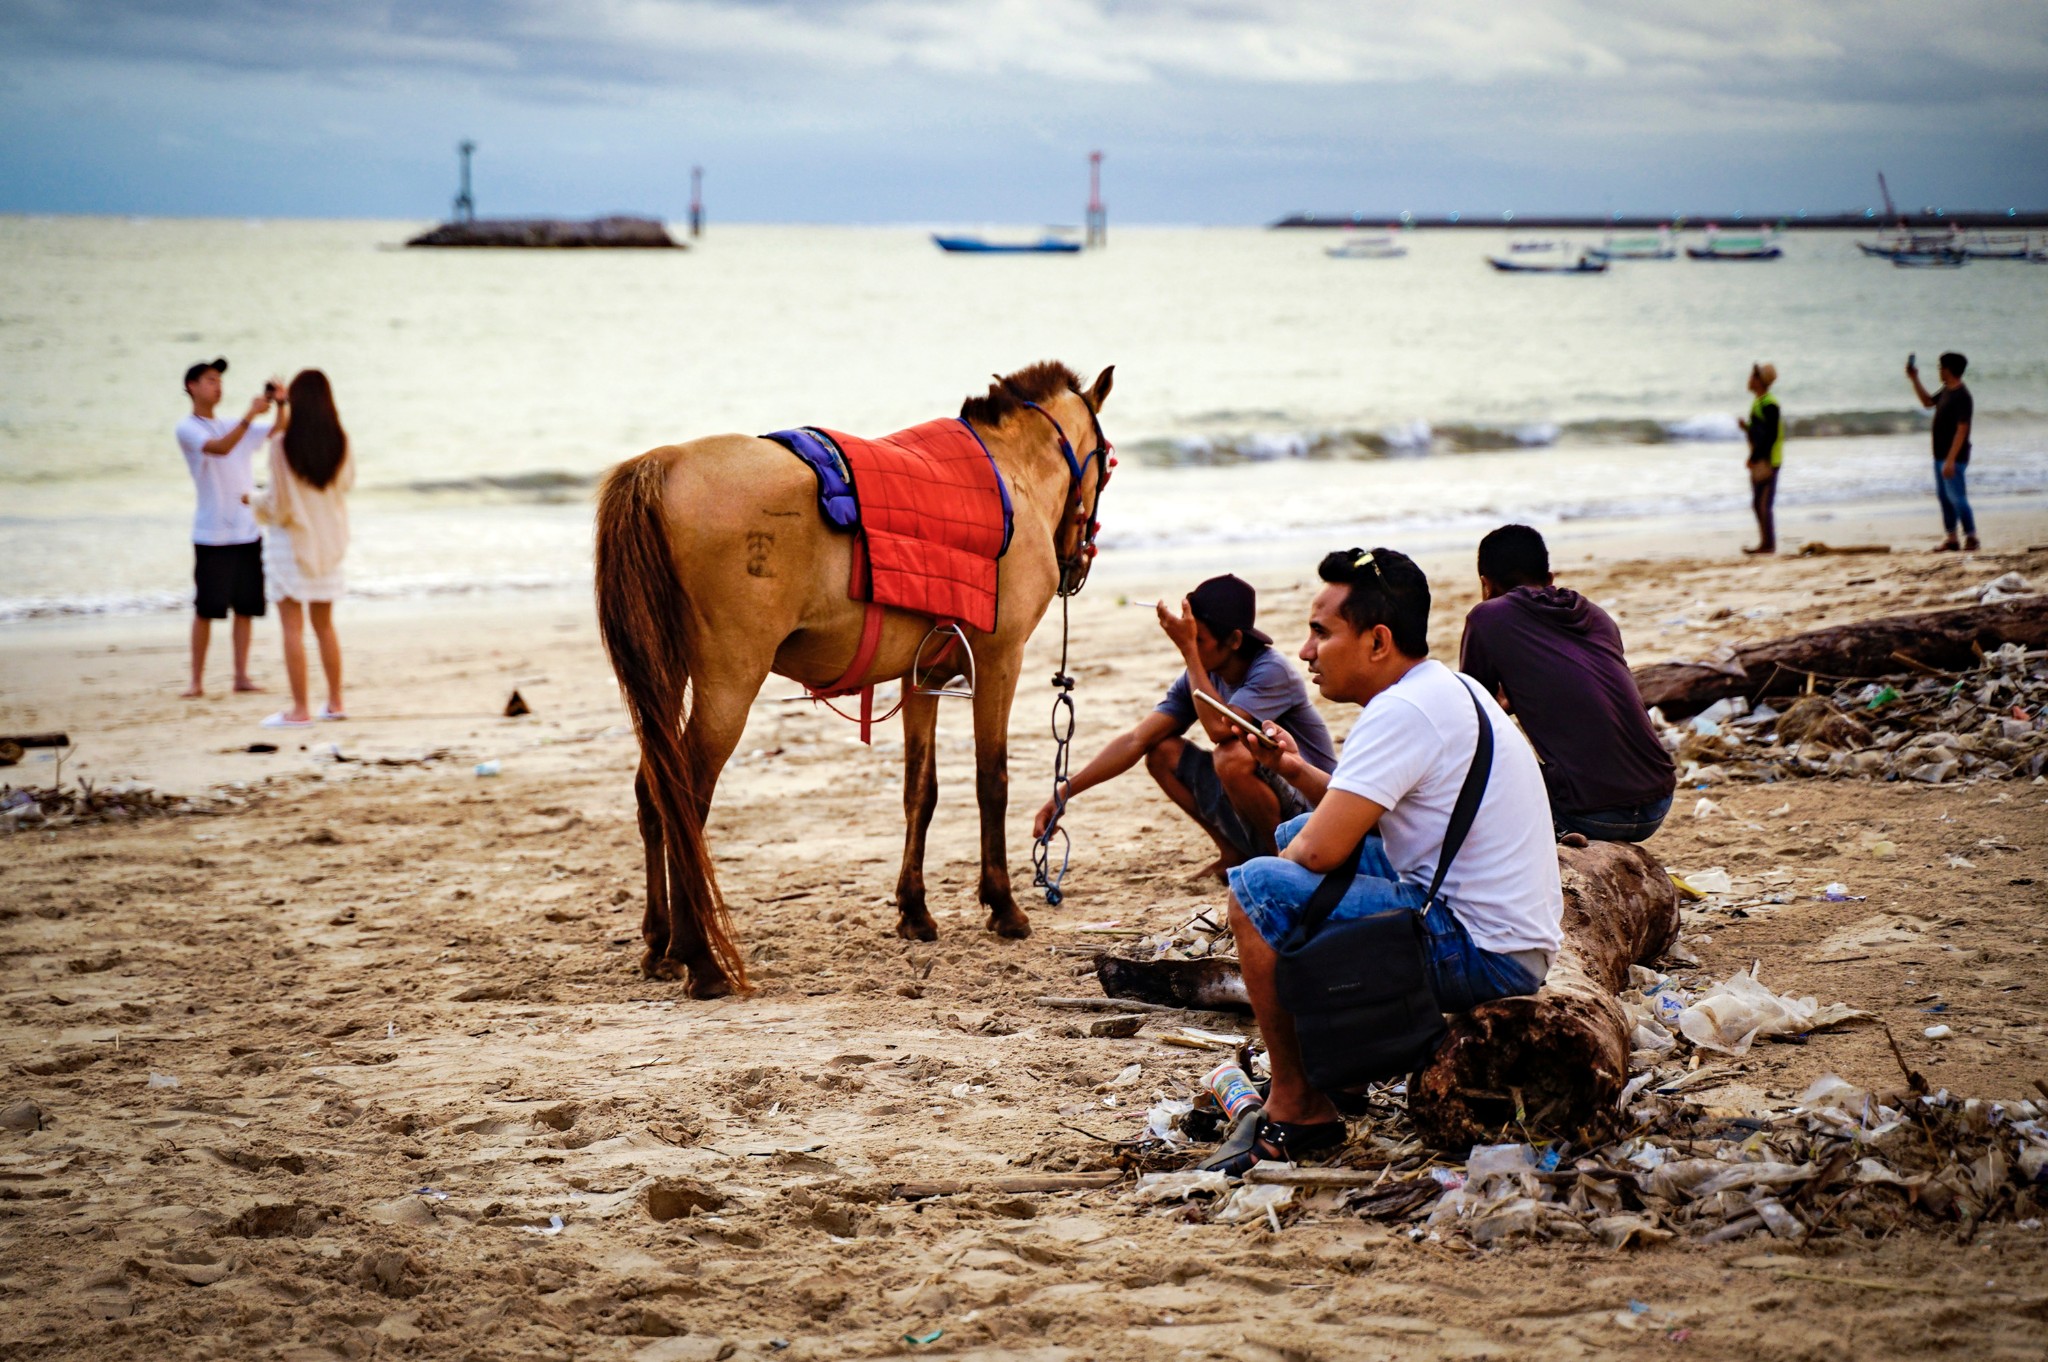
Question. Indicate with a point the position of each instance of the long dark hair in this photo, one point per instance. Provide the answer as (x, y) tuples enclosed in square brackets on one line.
[(314, 442)]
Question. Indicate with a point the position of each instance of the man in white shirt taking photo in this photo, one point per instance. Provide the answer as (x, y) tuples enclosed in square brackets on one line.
[(1496, 922), (227, 546)]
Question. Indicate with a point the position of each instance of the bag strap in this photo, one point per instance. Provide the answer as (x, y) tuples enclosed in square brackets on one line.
[(1469, 794), (1337, 882)]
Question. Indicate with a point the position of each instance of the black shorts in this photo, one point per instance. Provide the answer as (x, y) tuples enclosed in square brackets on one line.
[(228, 575)]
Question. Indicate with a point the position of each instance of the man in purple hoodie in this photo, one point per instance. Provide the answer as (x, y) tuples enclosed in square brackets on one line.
[(1554, 660)]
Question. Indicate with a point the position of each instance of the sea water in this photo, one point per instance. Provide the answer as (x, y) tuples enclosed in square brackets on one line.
[(1264, 391)]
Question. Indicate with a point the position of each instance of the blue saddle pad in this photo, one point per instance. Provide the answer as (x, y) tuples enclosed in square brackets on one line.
[(836, 499)]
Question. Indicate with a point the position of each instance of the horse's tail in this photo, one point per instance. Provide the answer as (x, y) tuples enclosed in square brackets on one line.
[(642, 613)]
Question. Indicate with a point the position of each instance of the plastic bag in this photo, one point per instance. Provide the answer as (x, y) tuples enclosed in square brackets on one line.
[(1179, 1186), (1733, 1013)]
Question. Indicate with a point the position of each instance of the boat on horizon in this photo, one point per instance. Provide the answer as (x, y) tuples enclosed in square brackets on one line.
[(1382, 247), (1586, 263), (1648, 247), (978, 245), (1751, 246)]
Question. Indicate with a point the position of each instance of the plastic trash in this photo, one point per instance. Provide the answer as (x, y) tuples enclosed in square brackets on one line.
[(1163, 1122), (157, 1080), (1251, 1201), (1706, 808), (1779, 1221), (1942, 1032), (1232, 1088), (489, 768), (1836, 892), (1179, 1186), (1731, 1014), (1882, 698), (1712, 880), (928, 1336), (554, 1227)]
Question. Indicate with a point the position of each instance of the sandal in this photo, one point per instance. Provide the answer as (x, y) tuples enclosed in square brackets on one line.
[(1258, 1139)]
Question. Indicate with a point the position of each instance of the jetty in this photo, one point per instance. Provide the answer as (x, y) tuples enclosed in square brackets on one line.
[(613, 231), (616, 231)]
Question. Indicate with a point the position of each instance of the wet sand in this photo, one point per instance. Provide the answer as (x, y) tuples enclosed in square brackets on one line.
[(319, 1073)]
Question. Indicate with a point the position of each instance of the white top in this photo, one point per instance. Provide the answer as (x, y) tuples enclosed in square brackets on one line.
[(1408, 753), (221, 479)]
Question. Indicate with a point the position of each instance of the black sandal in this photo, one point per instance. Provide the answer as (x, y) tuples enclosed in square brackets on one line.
[(1256, 1138)]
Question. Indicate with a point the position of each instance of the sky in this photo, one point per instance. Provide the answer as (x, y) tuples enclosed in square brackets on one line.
[(890, 111)]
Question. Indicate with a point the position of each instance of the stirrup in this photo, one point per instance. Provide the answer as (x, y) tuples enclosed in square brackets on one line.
[(950, 631)]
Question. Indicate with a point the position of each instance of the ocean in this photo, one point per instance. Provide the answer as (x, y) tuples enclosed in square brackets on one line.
[(1263, 389)]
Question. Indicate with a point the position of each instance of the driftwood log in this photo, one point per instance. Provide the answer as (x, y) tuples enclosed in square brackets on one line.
[(1558, 1057), (1939, 639)]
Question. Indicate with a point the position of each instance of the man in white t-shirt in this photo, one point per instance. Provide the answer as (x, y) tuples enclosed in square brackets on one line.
[(226, 544), (1497, 920)]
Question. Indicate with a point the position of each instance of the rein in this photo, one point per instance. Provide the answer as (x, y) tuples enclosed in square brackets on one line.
[(1073, 576)]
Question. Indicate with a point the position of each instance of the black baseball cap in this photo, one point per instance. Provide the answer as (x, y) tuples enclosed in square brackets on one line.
[(1225, 604), (219, 366)]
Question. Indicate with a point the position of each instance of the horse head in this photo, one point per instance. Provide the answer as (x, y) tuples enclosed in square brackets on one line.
[(1054, 391)]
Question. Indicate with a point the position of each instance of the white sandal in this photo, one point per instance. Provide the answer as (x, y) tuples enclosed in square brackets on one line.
[(330, 714), (282, 720)]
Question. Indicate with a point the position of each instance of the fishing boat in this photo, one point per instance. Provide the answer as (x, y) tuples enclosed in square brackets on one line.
[(1930, 260), (1585, 264), (1658, 247), (1367, 248), (1522, 247), (975, 245), (1756, 246), (2007, 246)]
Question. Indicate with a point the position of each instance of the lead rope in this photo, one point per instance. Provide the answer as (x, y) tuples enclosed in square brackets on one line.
[(1043, 876)]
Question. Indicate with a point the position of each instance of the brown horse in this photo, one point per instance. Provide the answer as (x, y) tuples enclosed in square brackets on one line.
[(715, 568)]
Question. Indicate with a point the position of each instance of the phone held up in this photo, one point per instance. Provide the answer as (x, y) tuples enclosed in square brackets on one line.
[(1234, 719)]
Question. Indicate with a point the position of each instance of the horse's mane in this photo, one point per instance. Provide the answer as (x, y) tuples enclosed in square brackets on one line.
[(1040, 382)]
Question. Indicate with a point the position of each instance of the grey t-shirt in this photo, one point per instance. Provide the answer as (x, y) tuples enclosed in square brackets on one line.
[(1272, 690)]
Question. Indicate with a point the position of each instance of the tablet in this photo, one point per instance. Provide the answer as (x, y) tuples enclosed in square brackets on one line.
[(1231, 717)]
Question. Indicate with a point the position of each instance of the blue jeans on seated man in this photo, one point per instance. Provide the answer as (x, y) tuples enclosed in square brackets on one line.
[(1274, 892), (1628, 823)]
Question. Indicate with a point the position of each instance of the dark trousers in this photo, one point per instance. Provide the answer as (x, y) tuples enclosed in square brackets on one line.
[(1762, 495)]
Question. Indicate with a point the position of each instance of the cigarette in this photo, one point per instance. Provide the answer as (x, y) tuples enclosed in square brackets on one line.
[(1149, 605)]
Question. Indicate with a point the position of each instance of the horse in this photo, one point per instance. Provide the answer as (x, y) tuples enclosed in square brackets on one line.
[(715, 568)]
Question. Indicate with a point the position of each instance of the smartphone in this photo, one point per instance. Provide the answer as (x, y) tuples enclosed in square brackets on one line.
[(1232, 717), (1913, 361)]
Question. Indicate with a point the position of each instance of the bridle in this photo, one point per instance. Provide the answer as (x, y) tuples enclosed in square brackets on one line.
[(1085, 520), (1074, 567)]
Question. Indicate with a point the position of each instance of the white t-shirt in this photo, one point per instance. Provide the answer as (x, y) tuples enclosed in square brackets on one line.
[(1408, 753), (221, 480)]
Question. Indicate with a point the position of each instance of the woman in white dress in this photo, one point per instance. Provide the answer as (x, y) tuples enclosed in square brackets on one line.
[(306, 510)]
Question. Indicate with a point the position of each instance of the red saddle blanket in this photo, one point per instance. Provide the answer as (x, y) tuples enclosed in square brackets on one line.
[(936, 518)]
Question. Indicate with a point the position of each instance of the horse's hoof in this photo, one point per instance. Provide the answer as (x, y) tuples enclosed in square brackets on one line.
[(920, 928), (662, 967), (1012, 924), (710, 986)]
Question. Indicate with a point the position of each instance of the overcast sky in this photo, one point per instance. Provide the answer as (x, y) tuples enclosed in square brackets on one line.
[(1213, 111)]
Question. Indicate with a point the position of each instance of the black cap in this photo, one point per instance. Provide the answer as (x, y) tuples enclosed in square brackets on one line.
[(1225, 604), (219, 366)]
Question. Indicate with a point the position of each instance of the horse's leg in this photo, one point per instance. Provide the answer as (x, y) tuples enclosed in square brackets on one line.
[(994, 688), (718, 716), (656, 923), (920, 798)]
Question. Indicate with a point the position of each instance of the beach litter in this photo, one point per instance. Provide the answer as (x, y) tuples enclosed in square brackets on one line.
[(1984, 724), (68, 806)]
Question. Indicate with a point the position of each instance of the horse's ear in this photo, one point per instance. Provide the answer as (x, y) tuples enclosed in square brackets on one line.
[(1098, 392)]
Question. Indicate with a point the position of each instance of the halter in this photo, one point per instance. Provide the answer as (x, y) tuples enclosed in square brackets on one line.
[(1074, 567), (1045, 875)]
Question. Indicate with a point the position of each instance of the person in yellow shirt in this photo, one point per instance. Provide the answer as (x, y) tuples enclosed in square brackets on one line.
[(1765, 428)]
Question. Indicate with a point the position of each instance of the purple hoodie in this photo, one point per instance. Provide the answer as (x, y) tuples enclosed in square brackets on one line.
[(1557, 659)]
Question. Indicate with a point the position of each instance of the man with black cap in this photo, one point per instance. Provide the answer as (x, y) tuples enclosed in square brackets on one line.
[(226, 543), (1236, 801)]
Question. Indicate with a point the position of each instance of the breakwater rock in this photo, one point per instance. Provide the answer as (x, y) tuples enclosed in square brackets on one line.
[(551, 232)]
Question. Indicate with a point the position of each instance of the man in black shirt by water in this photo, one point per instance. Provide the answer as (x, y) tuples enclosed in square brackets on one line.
[(1953, 410)]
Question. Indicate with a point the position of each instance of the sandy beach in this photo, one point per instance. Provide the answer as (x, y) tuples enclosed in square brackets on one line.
[(361, 1064)]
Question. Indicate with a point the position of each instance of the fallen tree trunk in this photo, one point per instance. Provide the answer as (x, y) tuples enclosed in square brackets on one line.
[(1558, 1058), (1946, 639), (1555, 1059)]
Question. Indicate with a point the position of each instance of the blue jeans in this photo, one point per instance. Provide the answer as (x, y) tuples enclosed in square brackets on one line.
[(1955, 500), (1274, 892), (1628, 823)]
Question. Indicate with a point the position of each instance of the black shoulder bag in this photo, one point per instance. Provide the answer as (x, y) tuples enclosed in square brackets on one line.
[(1359, 991)]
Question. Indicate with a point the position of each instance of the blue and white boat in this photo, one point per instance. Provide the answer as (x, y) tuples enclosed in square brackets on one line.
[(976, 245)]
